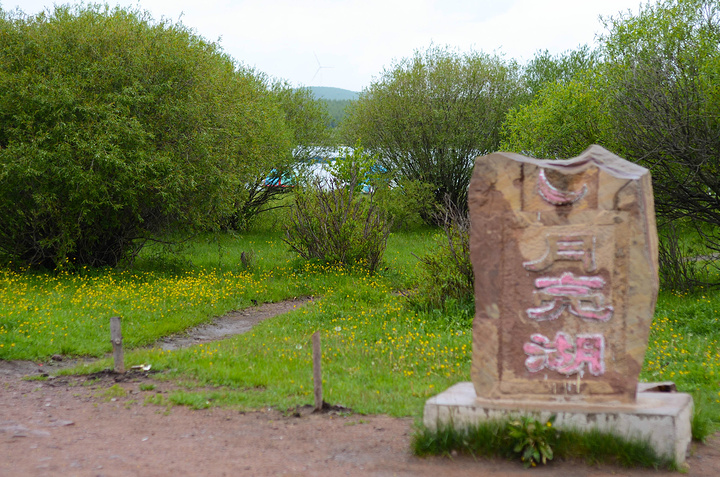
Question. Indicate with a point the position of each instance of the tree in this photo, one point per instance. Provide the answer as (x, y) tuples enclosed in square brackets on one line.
[(115, 128), (664, 104), (429, 116), (563, 119), (303, 122), (653, 99), (545, 69), (564, 113)]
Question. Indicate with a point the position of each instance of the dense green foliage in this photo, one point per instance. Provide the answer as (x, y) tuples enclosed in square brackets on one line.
[(663, 67), (336, 108), (429, 116), (545, 68), (306, 120), (563, 119), (115, 128), (334, 223), (650, 94), (407, 204)]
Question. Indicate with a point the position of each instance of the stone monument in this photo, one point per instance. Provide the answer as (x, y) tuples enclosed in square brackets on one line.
[(565, 260)]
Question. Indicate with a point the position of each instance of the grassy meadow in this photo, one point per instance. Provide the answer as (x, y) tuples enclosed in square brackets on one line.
[(380, 355)]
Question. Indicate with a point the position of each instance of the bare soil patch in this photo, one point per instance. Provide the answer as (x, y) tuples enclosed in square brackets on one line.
[(104, 425)]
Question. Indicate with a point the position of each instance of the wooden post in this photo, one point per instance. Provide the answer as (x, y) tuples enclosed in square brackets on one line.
[(116, 340), (317, 371)]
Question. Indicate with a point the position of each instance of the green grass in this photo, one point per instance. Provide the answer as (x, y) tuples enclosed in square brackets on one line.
[(68, 313), (684, 347), (493, 439), (379, 355)]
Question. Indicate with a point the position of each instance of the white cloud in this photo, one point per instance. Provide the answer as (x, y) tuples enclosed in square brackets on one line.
[(355, 39)]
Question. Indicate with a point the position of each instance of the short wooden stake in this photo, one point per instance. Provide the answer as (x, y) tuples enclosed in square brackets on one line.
[(116, 340), (317, 371)]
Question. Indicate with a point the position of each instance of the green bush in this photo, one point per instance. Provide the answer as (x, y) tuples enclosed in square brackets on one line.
[(115, 128), (532, 440), (408, 204), (430, 115), (446, 272), (334, 222)]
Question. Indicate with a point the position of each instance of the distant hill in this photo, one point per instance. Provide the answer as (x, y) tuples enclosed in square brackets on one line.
[(329, 93)]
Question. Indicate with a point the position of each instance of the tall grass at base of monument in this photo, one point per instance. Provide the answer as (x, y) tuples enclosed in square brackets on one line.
[(496, 439)]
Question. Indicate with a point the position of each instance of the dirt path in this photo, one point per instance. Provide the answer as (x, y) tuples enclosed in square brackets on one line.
[(233, 323), (100, 426)]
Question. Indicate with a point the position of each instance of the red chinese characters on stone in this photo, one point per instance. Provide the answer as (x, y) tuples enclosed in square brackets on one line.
[(576, 294), (565, 355), (580, 295), (561, 247), (554, 196)]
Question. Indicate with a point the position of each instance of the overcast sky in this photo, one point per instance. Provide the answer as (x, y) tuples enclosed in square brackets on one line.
[(347, 43)]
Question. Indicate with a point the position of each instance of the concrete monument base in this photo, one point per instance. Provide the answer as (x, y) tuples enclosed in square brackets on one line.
[(663, 418)]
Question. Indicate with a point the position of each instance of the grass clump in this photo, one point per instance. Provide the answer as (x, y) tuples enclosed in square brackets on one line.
[(445, 273), (535, 442), (113, 392), (684, 347), (332, 222)]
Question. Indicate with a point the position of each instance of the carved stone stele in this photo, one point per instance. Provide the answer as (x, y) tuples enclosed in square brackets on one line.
[(565, 260)]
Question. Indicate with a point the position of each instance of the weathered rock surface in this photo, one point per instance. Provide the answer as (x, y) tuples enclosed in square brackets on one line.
[(565, 262)]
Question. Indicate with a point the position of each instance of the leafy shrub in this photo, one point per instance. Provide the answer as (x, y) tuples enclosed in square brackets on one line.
[(430, 115), (115, 128), (532, 440), (446, 273), (408, 203), (333, 222)]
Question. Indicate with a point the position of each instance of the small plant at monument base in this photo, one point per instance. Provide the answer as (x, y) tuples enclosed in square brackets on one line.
[(532, 439)]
